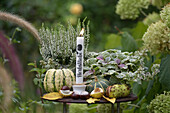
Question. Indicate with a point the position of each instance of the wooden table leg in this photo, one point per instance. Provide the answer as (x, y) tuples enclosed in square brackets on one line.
[(118, 107), (112, 108), (64, 108)]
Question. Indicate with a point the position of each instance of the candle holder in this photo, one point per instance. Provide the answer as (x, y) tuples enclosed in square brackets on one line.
[(79, 88)]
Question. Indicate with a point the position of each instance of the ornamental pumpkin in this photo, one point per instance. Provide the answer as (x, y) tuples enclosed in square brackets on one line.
[(55, 79), (98, 83)]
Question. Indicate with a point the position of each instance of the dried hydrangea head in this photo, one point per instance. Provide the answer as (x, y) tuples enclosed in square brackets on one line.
[(165, 15), (129, 9), (160, 104), (157, 38), (151, 18)]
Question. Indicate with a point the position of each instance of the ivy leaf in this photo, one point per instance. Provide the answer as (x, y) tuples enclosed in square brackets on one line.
[(164, 76)]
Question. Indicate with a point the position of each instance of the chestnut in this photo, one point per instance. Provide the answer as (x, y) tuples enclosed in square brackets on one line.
[(75, 96), (65, 88), (84, 95)]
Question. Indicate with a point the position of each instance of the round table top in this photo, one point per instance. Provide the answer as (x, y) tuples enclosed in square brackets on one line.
[(131, 97)]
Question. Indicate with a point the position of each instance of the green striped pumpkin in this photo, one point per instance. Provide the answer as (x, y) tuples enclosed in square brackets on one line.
[(54, 79), (98, 83)]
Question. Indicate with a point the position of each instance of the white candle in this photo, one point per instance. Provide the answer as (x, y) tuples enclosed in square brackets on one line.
[(79, 58)]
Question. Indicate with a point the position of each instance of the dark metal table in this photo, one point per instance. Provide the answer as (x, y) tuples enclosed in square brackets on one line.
[(131, 97)]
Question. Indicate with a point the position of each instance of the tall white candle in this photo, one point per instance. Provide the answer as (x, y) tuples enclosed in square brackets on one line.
[(79, 58)]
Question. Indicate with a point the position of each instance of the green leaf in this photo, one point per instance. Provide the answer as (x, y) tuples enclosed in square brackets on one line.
[(136, 88), (113, 41), (164, 76), (31, 64), (128, 42), (35, 70), (114, 80), (43, 71), (138, 32), (36, 81)]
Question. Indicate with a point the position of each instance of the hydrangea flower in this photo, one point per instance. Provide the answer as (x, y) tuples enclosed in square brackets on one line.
[(161, 104), (157, 38), (165, 14), (130, 9)]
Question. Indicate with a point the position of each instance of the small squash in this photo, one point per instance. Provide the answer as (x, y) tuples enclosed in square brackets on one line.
[(55, 79)]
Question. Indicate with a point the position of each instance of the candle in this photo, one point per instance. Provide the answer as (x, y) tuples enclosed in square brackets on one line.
[(79, 58)]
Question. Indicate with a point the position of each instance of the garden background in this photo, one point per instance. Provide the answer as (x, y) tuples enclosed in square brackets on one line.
[(106, 27)]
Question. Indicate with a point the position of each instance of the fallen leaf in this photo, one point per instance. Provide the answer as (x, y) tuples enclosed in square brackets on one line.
[(92, 100), (112, 100), (52, 96)]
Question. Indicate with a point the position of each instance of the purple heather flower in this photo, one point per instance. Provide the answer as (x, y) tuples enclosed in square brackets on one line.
[(100, 57), (117, 61)]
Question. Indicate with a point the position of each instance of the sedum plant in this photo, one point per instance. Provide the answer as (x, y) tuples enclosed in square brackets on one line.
[(161, 104), (58, 45), (124, 66), (130, 9), (157, 38), (165, 15)]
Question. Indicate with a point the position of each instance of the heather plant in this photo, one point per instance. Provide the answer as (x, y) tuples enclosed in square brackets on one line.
[(58, 45)]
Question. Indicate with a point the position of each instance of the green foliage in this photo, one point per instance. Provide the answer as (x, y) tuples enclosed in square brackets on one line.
[(38, 80), (156, 39), (59, 44), (104, 108), (151, 18), (113, 41), (159, 3), (130, 9), (164, 73), (128, 42), (126, 66), (137, 33), (77, 108), (160, 104), (165, 15)]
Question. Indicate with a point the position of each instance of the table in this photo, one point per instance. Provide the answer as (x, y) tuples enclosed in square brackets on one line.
[(131, 97)]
